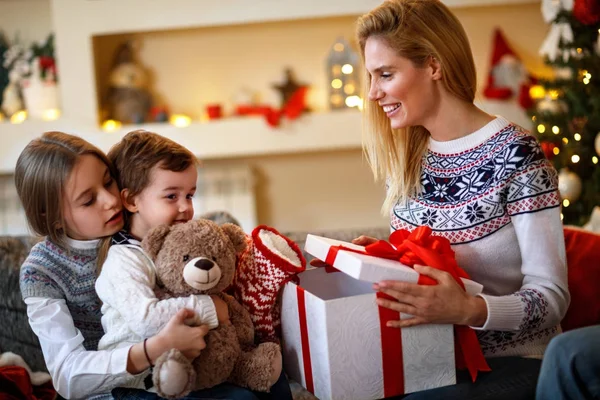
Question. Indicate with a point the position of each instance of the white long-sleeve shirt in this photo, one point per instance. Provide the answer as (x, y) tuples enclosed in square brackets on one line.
[(131, 311)]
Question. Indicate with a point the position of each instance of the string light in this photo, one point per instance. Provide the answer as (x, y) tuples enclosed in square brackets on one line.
[(565, 140), (541, 128), (555, 130), (537, 92), (180, 120), (579, 50), (561, 216), (353, 101), (111, 125), (595, 160), (534, 118), (554, 94), (577, 137), (566, 203), (19, 117), (336, 83), (556, 150), (347, 69), (338, 47), (51, 115), (575, 159)]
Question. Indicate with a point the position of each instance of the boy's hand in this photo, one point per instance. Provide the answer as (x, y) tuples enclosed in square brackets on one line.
[(178, 335), (221, 308)]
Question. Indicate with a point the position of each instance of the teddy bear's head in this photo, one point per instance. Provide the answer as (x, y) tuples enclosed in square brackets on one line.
[(198, 256)]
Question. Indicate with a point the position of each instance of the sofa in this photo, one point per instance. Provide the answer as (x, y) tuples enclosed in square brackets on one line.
[(583, 257)]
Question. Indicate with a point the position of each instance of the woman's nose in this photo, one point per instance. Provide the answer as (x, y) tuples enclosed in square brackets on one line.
[(374, 92)]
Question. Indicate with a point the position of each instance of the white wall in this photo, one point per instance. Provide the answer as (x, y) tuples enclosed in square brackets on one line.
[(30, 19)]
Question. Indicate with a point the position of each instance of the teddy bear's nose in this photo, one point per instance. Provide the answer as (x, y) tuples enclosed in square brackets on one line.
[(204, 264)]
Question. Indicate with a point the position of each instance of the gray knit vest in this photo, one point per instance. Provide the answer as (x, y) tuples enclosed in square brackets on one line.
[(54, 272)]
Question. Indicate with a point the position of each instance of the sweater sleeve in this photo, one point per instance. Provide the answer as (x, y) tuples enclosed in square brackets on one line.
[(533, 204), (126, 285)]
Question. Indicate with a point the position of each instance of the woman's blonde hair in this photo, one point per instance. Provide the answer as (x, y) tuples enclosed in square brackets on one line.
[(41, 174), (417, 30)]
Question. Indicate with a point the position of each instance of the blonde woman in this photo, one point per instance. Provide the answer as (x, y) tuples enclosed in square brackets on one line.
[(476, 179)]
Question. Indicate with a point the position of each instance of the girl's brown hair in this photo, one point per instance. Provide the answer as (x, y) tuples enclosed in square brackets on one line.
[(41, 174), (416, 30)]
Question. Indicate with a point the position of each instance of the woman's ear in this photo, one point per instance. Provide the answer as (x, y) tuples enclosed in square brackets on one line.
[(436, 68), (128, 201)]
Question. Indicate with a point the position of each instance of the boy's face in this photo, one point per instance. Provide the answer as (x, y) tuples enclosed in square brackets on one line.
[(167, 200), (92, 205)]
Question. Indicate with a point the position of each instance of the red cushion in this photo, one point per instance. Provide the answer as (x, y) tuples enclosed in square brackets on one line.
[(583, 261)]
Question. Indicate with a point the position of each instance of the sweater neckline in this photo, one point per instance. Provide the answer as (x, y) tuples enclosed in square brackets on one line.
[(471, 140), (82, 246)]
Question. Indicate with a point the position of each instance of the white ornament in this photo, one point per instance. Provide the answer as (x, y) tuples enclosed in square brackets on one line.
[(594, 222), (11, 97), (551, 8), (547, 104), (550, 46), (563, 73), (569, 185), (597, 144)]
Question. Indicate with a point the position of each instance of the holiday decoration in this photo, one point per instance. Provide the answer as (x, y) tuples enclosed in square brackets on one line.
[(3, 69), (567, 117), (128, 99), (569, 185), (507, 73), (289, 87), (343, 76)]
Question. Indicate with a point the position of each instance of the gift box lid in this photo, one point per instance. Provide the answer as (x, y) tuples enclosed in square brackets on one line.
[(369, 268)]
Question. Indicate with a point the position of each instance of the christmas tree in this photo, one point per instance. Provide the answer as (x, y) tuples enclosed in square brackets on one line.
[(566, 111)]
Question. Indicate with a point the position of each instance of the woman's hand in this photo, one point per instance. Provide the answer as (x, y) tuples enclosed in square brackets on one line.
[(444, 303), (362, 240)]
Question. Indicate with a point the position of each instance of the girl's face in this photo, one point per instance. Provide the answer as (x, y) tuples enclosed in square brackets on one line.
[(92, 204), (407, 94)]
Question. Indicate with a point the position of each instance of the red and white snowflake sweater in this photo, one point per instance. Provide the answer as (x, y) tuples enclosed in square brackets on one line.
[(494, 195)]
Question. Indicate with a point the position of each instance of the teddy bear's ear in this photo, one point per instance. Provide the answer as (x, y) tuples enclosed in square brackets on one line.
[(154, 240), (236, 235)]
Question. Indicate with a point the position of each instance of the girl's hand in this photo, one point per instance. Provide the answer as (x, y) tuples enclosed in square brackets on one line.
[(177, 335), (361, 241), (444, 303)]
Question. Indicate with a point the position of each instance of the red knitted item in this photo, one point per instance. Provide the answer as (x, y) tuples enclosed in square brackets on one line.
[(270, 261)]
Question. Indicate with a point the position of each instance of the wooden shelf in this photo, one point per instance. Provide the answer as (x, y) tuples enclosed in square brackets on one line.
[(226, 138)]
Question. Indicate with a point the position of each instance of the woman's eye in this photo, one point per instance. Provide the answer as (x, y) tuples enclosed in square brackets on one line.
[(186, 258)]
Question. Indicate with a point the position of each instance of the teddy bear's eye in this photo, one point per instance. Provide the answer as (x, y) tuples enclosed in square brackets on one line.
[(186, 257), (214, 259)]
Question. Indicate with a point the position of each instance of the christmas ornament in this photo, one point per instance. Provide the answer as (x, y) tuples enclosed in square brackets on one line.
[(569, 185), (558, 32), (551, 8), (507, 72), (289, 87), (597, 144), (563, 73), (587, 11), (549, 105), (548, 149), (342, 69)]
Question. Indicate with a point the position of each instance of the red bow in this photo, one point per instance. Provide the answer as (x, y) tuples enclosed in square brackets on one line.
[(421, 247)]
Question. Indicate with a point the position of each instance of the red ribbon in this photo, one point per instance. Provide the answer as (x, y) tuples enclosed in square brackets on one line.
[(421, 247), (308, 376)]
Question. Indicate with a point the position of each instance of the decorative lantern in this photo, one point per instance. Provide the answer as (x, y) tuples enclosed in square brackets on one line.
[(343, 76)]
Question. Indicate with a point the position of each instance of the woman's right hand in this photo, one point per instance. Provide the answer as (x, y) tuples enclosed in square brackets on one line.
[(178, 335), (362, 240)]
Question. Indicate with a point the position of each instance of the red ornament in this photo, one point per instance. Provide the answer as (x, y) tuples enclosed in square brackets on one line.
[(525, 100), (548, 149), (587, 11)]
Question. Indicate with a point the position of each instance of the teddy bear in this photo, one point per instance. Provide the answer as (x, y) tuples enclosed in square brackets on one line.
[(199, 257)]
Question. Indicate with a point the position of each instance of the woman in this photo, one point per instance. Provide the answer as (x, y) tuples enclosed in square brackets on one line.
[(475, 179)]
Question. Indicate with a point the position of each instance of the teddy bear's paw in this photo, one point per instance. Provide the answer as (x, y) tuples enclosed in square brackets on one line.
[(259, 368), (173, 375)]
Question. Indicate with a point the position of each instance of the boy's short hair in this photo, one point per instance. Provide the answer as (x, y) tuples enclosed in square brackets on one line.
[(139, 151)]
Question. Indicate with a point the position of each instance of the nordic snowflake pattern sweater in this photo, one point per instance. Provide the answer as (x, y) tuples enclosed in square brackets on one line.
[(494, 195)]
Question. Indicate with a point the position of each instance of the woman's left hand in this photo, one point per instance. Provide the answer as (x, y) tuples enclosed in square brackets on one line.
[(444, 303)]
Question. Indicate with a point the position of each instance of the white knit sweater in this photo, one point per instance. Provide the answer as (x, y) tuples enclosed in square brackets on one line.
[(131, 311), (494, 195)]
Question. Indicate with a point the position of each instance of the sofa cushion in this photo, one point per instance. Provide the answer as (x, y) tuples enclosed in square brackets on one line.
[(583, 261), (15, 334)]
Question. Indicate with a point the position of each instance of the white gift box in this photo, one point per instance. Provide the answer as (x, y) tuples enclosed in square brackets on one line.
[(332, 337)]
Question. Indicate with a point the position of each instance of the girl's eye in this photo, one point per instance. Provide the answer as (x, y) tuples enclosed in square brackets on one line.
[(186, 258), (89, 203), (171, 197), (109, 183), (189, 196)]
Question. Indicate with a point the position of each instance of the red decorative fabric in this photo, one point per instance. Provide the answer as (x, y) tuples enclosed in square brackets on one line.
[(583, 262), (16, 385), (260, 274)]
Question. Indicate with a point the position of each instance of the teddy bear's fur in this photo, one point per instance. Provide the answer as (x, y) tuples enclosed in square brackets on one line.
[(199, 257)]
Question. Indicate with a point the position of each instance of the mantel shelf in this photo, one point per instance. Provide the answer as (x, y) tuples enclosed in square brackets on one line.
[(226, 138)]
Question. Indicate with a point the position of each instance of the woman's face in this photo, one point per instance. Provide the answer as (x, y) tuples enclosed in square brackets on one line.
[(407, 94)]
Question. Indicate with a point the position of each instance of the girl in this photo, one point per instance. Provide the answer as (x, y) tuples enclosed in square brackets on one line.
[(69, 195), (476, 179)]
